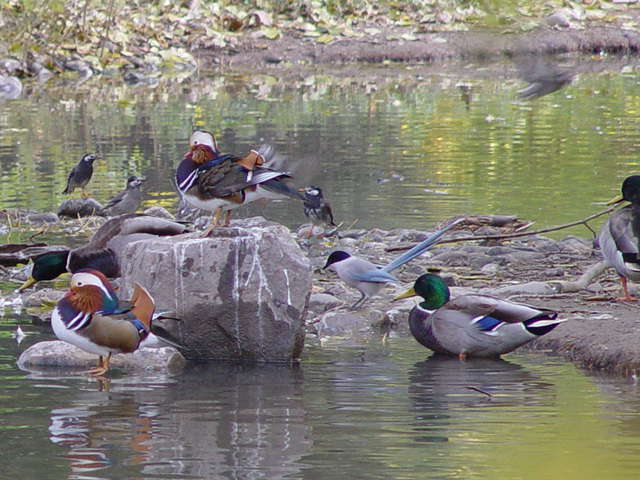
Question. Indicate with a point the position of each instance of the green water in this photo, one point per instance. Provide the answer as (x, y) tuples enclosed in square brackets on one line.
[(391, 147)]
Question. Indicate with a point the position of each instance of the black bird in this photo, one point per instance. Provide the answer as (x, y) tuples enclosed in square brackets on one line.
[(81, 174), (126, 201), (316, 208)]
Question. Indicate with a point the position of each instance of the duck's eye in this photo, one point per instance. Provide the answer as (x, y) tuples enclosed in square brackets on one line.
[(79, 284)]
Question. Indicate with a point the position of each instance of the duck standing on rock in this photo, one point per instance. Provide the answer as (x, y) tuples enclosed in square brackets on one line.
[(473, 325), (619, 237), (127, 201), (104, 250), (316, 208), (368, 278), (80, 174), (221, 183), (91, 317)]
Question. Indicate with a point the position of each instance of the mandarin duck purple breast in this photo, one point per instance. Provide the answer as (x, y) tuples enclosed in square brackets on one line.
[(91, 317), (220, 183)]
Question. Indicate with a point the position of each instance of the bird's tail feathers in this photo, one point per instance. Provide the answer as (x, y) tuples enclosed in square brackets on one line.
[(421, 247)]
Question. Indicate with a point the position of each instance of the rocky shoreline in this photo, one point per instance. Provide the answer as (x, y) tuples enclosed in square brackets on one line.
[(531, 269)]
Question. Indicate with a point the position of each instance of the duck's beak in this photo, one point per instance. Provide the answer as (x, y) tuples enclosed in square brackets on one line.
[(409, 293), (616, 199), (30, 281)]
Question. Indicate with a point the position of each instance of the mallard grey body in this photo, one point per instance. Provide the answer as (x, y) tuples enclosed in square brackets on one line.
[(473, 325), (479, 326), (619, 237)]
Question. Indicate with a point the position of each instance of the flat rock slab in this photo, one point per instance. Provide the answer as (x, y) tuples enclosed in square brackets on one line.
[(598, 336), (58, 354), (241, 293)]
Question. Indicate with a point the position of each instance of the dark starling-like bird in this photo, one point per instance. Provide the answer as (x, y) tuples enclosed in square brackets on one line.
[(316, 208), (81, 174), (126, 201)]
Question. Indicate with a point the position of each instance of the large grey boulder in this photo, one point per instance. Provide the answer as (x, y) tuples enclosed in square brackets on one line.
[(242, 293)]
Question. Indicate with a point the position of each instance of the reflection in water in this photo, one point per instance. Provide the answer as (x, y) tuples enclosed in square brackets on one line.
[(228, 421)]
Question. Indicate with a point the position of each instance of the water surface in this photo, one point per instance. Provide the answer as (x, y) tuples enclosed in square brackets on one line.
[(392, 147)]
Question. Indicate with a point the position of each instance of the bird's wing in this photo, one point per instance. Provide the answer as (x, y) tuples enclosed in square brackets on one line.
[(621, 229), (375, 276), (114, 201)]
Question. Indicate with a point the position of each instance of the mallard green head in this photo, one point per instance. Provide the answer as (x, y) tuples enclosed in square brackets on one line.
[(431, 288), (631, 189), (47, 267)]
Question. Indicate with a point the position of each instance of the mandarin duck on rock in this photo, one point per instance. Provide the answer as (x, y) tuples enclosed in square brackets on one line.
[(619, 237), (80, 174), (221, 183), (127, 201), (91, 317), (105, 248), (473, 325)]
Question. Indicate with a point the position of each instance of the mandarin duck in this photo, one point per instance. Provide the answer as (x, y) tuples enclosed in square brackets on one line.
[(104, 250), (316, 208), (81, 174), (619, 237), (127, 201), (91, 317), (472, 325), (221, 183), (368, 278)]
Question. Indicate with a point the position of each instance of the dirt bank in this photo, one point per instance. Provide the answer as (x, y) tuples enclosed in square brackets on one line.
[(388, 45)]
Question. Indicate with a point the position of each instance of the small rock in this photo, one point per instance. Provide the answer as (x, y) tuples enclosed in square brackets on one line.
[(41, 218), (452, 258), (479, 261), (61, 354), (558, 20), (577, 245), (79, 207), (354, 233), (490, 269), (44, 296), (157, 211), (321, 302), (337, 323)]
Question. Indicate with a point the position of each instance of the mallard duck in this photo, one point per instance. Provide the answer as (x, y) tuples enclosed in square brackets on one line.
[(104, 248), (127, 201), (316, 208), (619, 237), (81, 174), (91, 317), (472, 325), (221, 183), (368, 278)]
